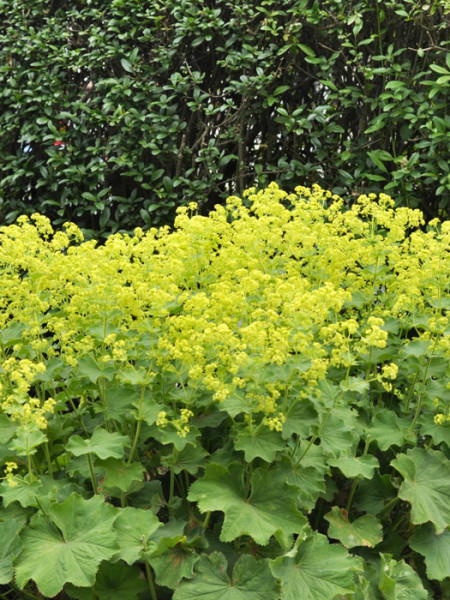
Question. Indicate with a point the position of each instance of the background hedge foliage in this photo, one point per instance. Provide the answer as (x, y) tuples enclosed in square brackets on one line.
[(113, 113)]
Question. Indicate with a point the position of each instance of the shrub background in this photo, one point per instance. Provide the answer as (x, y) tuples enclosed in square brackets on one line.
[(114, 113)]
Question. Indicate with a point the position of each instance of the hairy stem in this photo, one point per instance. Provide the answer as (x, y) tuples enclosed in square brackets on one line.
[(171, 491), (206, 521), (356, 480), (48, 458), (91, 471), (314, 437), (148, 571)]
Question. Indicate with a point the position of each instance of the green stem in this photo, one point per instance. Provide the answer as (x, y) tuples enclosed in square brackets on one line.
[(417, 413), (38, 502), (249, 471), (30, 470), (369, 365), (206, 521), (181, 486), (314, 437), (27, 594), (319, 512), (420, 402), (356, 480), (136, 437), (77, 412), (400, 521), (91, 471), (171, 491), (49, 460), (139, 425), (36, 466), (352, 493), (101, 388), (148, 571), (297, 444), (383, 513), (411, 390), (286, 393), (150, 581), (297, 543)]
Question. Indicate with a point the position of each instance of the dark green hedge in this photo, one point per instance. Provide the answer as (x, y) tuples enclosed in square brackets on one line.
[(113, 113)]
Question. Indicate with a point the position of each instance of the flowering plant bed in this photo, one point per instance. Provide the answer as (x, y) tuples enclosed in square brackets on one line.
[(253, 405)]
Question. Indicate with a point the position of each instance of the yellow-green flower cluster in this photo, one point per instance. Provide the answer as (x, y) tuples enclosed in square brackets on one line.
[(181, 424), (374, 335), (10, 467), (17, 376), (271, 281), (441, 419), (275, 423)]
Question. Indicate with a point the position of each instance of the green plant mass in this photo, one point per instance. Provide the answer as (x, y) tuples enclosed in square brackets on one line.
[(250, 405), (115, 112)]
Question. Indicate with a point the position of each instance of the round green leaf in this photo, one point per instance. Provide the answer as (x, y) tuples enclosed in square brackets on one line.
[(251, 580), (9, 548), (120, 475), (300, 416), (191, 458), (261, 443), (439, 433), (398, 581), (24, 492), (309, 481), (71, 541), (360, 466), (102, 443), (364, 531), (132, 525), (374, 494), (119, 581), (270, 507), (7, 428), (426, 486), (435, 548), (318, 571), (175, 564), (386, 431), (335, 436)]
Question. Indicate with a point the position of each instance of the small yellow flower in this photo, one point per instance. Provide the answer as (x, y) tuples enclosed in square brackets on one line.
[(10, 467), (162, 421), (276, 423), (186, 414), (441, 419), (390, 371)]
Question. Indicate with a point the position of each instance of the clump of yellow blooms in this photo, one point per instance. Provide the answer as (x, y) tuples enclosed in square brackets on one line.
[(15, 399), (10, 467), (390, 371), (374, 335), (441, 419), (275, 423), (162, 420), (220, 304), (181, 425)]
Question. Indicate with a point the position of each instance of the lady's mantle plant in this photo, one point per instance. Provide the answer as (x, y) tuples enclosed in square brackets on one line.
[(253, 405)]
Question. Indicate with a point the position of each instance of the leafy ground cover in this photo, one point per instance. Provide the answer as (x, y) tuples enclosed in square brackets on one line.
[(251, 405)]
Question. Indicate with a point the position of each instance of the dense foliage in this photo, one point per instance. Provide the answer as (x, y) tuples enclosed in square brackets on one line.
[(113, 113), (253, 405)]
